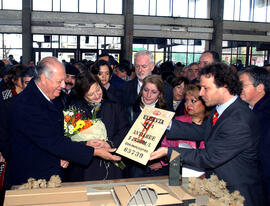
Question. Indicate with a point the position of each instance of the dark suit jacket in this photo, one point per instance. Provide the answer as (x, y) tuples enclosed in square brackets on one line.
[(231, 149), (37, 138), (262, 111), (129, 93)]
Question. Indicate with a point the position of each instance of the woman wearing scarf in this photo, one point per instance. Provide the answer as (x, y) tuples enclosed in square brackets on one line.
[(91, 98)]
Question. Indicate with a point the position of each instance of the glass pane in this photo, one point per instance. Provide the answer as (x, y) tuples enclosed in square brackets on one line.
[(268, 13), (226, 58), (1, 40), (56, 5), (242, 58), (201, 9), (44, 5), (139, 9), (12, 4), (190, 58), (88, 42), (158, 57), (245, 6), (164, 8), (151, 47), (153, 7), (17, 53), (45, 54), (197, 57), (88, 6), (182, 47), (113, 43), (179, 57), (100, 6), (55, 41), (199, 46), (68, 42), (190, 46), (236, 10), (101, 42), (69, 5), (12, 40), (113, 6), (260, 11), (242, 50), (228, 9), (90, 56), (66, 56), (1, 54), (257, 60), (191, 9), (234, 57), (180, 8)]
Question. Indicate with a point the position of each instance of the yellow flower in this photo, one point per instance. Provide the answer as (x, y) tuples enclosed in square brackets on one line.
[(79, 124)]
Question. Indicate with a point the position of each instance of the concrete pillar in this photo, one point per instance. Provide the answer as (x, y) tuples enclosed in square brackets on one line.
[(127, 40), (26, 31), (216, 14)]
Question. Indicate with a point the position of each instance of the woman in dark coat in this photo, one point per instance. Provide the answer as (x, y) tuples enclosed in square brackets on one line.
[(151, 94), (91, 98)]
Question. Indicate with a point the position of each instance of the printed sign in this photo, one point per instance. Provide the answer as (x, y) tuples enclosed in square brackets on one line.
[(145, 134)]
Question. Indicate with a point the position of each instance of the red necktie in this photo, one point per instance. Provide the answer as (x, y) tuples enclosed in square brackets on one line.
[(215, 118)]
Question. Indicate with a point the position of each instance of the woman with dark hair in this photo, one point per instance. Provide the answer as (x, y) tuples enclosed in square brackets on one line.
[(179, 84), (14, 84), (90, 98), (104, 72), (151, 94)]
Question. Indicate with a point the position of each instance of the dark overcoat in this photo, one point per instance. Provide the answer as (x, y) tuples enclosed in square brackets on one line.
[(37, 138)]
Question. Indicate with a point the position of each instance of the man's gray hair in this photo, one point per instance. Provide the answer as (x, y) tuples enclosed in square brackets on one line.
[(145, 52), (45, 66)]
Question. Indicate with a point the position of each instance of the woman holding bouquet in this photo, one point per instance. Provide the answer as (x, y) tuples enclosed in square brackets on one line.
[(90, 98), (151, 94)]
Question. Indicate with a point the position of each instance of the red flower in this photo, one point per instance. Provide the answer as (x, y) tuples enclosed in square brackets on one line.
[(78, 116)]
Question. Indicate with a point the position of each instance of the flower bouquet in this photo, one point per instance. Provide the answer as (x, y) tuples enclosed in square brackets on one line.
[(79, 129)]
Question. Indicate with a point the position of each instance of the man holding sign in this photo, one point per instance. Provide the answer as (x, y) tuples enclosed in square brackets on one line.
[(231, 135)]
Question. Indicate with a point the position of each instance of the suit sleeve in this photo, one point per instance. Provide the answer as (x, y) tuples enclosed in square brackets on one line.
[(226, 144), (186, 131), (47, 134)]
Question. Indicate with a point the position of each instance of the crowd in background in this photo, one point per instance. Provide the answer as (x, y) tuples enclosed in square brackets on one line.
[(116, 92)]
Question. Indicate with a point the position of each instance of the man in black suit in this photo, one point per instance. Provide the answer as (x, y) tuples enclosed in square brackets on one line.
[(256, 85), (144, 65), (38, 144), (231, 135)]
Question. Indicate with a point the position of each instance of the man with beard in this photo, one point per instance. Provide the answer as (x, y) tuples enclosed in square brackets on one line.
[(71, 73), (144, 65)]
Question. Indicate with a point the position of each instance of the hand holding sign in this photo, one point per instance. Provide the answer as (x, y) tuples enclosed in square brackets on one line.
[(145, 134)]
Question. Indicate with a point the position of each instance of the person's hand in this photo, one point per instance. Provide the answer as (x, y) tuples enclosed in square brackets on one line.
[(105, 153), (64, 163), (96, 143), (2, 159), (155, 166), (160, 152)]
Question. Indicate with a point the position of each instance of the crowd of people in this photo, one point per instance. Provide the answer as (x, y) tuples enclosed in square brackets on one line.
[(221, 111)]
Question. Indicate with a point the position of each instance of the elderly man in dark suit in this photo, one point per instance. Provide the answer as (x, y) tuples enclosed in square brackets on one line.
[(256, 85), (38, 144), (144, 65), (231, 135)]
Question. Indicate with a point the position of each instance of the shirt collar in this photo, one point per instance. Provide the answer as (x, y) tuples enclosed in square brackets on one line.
[(221, 108), (43, 93)]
